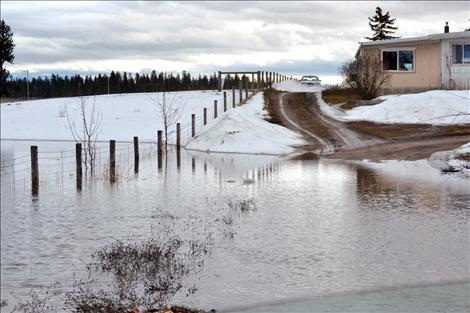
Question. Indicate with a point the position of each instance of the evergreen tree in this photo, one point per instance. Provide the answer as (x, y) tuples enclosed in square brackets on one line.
[(6, 54), (76, 85), (382, 26)]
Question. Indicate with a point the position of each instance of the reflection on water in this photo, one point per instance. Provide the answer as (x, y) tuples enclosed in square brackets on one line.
[(320, 227)]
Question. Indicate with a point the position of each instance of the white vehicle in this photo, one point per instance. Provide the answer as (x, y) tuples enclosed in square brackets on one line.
[(310, 81)]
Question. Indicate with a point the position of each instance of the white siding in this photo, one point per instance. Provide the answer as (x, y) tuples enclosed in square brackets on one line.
[(454, 75)]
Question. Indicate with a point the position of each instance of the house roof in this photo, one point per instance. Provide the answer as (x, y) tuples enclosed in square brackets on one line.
[(432, 37)]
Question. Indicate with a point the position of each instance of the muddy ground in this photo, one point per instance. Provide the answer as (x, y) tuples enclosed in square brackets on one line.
[(358, 140)]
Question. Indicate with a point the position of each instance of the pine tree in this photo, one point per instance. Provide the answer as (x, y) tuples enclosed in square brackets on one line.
[(6, 54), (382, 26)]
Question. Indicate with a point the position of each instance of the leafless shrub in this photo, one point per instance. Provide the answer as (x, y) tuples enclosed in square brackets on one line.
[(170, 111), (241, 205), (365, 73), (137, 274), (38, 300), (450, 83), (87, 131)]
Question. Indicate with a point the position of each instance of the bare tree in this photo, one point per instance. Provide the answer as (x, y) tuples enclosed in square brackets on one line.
[(450, 83), (170, 111), (87, 131), (365, 73)]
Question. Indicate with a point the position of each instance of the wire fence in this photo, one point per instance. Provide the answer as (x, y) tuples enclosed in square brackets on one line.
[(56, 166)]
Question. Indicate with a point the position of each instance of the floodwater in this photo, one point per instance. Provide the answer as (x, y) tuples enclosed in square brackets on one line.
[(324, 232)]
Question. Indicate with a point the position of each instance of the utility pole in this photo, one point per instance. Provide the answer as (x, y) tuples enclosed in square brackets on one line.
[(27, 85)]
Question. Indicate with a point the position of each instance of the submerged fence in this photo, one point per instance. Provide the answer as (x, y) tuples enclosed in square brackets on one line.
[(43, 167)]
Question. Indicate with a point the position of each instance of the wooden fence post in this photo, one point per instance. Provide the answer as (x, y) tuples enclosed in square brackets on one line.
[(204, 115), (112, 161), (225, 101), (258, 76), (136, 154), (241, 91), (178, 136), (246, 87), (252, 82), (160, 142), (178, 158), (215, 109), (219, 80), (78, 165), (233, 95), (159, 149), (34, 171), (193, 125)]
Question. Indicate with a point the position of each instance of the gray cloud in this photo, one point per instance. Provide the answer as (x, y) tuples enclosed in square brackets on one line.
[(48, 33)]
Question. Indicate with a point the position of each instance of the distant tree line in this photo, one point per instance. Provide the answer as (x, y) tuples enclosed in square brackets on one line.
[(115, 83)]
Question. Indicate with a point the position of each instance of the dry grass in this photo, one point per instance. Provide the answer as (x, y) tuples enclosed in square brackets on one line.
[(337, 95), (9, 100), (389, 131), (401, 131), (270, 99)]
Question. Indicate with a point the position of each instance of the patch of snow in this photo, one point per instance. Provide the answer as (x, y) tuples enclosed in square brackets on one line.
[(453, 161), (244, 130), (436, 107), (295, 86)]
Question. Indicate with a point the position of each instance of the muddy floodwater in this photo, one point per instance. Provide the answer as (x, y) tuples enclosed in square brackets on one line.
[(321, 228)]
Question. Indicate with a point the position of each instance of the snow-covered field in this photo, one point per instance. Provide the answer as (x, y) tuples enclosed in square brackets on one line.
[(123, 115), (242, 129), (245, 130), (436, 107)]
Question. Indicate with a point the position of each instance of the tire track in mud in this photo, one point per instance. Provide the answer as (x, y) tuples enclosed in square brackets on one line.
[(328, 146), (351, 138), (312, 123)]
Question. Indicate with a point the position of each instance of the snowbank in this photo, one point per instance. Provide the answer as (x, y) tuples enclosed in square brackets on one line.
[(457, 160), (295, 86), (436, 107), (123, 115), (244, 130)]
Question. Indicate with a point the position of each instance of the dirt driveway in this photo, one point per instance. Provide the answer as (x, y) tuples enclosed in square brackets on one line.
[(359, 140)]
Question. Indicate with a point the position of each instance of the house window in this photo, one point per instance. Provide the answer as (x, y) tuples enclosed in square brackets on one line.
[(398, 60), (389, 60), (461, 54)]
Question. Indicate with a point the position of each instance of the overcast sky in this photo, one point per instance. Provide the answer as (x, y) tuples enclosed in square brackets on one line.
[(203, 37)]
